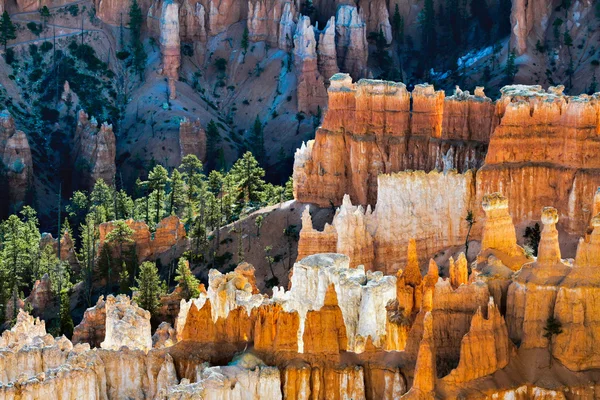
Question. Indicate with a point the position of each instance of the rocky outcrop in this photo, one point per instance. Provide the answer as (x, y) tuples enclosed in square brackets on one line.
[(92, 328), (542, 152), (458, 271), (377, 17), (94, 152), (26, 331), (15, 154), (170, 44), (126, 325), (192, 24), (529, 21), (425, 369), (169, 237), (352, 48), (272, 21), (326, 51), (41, 296), (312, 95), (409, 205), (370, 129), (485, 349), (532, 295)]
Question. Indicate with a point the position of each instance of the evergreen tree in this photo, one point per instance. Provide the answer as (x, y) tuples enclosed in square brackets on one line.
[(157, 179), (137, 46), (120, 235), (8, 30), (213, 139), (45, 15), (187, 280), (257, 142), (398, 26), (102, 201), (193, 177), (553, 327), (510, 69), (249, 177), (245, 43), (428, 32), (66, 321), (87, 255), (177, 195), (149, 288), (15, 258)]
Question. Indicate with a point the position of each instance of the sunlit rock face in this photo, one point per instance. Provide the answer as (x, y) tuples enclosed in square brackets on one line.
[(170, 44), (192, 139), (543, 153), (430, 207), (92, 327), (126, 325), (370, 129), (94, 151)]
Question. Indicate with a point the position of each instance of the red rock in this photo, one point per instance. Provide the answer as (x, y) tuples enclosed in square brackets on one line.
[(93, 325), (192, 139), (15, 154)]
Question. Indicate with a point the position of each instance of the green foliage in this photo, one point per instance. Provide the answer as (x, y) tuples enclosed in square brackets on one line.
[(532, 238), (149, 287), (221, 64), (510, 69), (427, 24), (398, 26), (140, 57), (257, 142), (187, 280), (553, 327), (8, 30), (66, 321), (249, 177), (213, 139), (36, 29)]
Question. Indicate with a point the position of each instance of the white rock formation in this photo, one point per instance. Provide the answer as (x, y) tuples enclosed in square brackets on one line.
[(126, 325)]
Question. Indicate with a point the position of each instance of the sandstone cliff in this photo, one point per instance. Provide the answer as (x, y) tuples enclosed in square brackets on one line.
[(374, 119), (170, 44)]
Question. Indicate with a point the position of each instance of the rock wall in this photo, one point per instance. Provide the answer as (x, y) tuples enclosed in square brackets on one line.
[(94, 152), (431, 207), (371, 129), (126, 325), (170, 44), (543, 152)]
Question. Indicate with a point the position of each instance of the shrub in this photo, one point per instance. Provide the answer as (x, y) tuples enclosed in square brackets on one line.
[(36, 29), (46, 47)]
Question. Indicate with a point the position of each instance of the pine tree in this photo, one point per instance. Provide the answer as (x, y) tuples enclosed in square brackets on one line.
[(8, 30), (249, 177), (102, 201), (177, 195), (149, 288), (245, 43), (66, 321), (120, 235), (187, 280), (510, 69), (87, 255), (135, 24), (398, 26), (428, 32), (14, 258), (553, 327), (257, 142), (193, 177), (157, 179), (213, 139), (45, 15)]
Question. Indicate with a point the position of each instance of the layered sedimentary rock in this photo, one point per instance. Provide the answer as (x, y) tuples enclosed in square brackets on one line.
[(371, 129), (170, 44), (92, 328), (377, 17), (126, 325), (485, 349), (170, 236), (94, 151), (410, 205), (312, 95), (575, 307), (326, 51), (543, 153), (272, 21), (352, 48), (532, 295), (15, 154), (529, 21), (192, 22)]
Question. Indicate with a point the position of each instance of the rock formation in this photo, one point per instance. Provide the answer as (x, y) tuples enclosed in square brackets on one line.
[(425, 370), (92, 328), (374, 119), (170, 44), (326, 51), (126, 325), (485, 349), (529, 21), (532, 295), (94, 152), (459, 271), (409, 205), (41, 296), (272, 21), (352, 48), (542, 152), (15, 154), (312, 95), (169, 236)]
